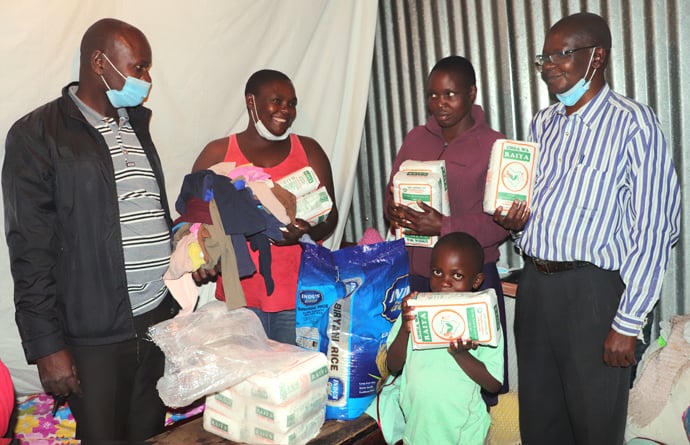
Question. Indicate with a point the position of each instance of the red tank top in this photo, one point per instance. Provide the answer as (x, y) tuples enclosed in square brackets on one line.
[(285, 259)]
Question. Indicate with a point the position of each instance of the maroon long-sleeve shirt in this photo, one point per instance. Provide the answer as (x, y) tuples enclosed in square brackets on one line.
[(467, 160)]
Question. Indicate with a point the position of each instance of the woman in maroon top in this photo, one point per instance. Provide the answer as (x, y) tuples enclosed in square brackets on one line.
[(457, 133)]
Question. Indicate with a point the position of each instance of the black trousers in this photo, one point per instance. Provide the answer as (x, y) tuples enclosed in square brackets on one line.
[(567, 395), (120, 401)]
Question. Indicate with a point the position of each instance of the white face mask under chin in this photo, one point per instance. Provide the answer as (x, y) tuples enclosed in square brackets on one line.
[(261, 128)]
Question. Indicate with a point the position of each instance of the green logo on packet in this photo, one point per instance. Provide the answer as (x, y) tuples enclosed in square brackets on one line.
[(264, 433), (415, 197), (472, 323), (263, 412), (424, 327), (517, 154), (218, 424), (224, 400), (323, 371)]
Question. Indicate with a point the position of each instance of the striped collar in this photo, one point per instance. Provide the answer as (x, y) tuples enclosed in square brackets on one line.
[(591, 111), (92, 116)]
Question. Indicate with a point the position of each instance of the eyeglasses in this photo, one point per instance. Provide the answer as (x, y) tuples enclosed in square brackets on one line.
[(557, 58)]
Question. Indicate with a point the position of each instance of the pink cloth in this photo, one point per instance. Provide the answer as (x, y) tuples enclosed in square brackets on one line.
[(6, 397), (370, 236), (249, 173), (178, 277)]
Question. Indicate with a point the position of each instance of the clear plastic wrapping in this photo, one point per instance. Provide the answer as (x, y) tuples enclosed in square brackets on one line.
[(213, 349)]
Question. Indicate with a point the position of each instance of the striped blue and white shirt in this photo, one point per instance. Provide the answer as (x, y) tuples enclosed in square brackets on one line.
[(606, 192), (146, 240)]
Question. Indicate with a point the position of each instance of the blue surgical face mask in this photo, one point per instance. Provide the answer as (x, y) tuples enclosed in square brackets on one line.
[(133, 92), (261, 128), (574, 94)]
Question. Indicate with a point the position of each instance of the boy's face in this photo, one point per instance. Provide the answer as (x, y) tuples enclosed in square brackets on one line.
[(453, 270)]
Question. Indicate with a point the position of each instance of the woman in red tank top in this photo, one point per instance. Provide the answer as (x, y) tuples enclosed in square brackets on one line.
[(267, 142)]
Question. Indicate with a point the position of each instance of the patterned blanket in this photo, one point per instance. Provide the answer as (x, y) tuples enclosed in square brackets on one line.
[(37, 426)]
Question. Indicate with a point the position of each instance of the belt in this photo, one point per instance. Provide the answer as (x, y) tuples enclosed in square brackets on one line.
[(551, 267)]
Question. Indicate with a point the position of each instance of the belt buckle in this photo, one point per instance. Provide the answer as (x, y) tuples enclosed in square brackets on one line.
[(541, 266)]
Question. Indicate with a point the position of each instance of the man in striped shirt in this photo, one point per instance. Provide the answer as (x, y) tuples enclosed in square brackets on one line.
[(88, 230), (596, 242)]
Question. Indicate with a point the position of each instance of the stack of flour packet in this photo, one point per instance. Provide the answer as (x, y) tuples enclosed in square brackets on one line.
[(313, 202), (272, 408), (423, 181)]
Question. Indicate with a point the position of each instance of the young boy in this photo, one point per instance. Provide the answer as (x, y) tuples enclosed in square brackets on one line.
[(440, 388)]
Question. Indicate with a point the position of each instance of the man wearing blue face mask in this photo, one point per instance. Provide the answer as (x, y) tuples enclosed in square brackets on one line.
[(88, 231), (596, 243)]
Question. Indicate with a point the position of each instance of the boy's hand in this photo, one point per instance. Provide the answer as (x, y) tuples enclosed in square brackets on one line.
[(408, 313), (458, 345)]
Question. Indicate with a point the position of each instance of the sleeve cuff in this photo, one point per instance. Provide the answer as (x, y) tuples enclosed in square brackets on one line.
[(627, 325)]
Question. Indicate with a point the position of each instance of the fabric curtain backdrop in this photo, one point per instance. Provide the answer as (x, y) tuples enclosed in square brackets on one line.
[(203, 53)]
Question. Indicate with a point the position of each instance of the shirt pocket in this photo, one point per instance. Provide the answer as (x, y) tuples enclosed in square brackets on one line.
[(586, 190), (596, 157)]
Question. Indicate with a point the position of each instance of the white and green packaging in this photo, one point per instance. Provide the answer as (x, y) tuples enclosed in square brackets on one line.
[(510, 175), (423, 181), (442, 317)]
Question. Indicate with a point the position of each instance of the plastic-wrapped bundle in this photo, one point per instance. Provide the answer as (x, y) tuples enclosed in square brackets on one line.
[(214, 348)]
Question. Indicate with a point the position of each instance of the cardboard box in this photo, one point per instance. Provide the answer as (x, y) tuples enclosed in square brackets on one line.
[(511, 174), (444, 316)]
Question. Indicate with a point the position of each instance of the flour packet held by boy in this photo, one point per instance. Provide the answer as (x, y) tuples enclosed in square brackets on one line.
[(441, 317)]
